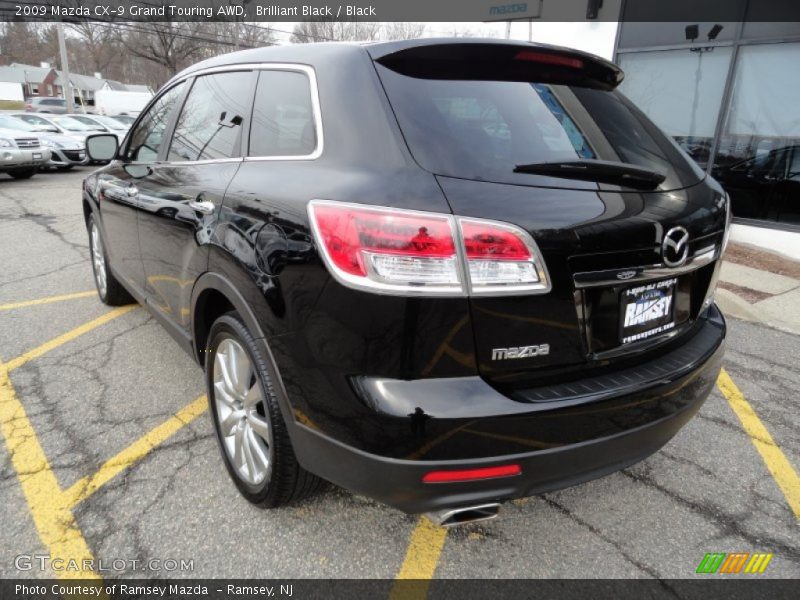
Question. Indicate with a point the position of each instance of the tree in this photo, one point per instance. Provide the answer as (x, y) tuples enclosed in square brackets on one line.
[(402, 31), (171, 45), (237, 35), (21, 42), (99, 47), (335, 31)]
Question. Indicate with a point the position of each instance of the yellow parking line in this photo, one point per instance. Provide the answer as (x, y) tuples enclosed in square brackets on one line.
[(51, 515), (86, 486), (47, 300), (48, 504), (422, 557), (777, 463), (69, 336)]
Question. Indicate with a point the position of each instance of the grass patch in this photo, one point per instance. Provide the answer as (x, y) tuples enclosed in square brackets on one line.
[(12, 105)]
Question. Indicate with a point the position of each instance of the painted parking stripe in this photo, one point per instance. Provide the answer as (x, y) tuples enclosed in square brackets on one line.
[(47, 300), (424, 549), (778, 465), (52, 517), (47, 502), (68, 336), (86, 486)]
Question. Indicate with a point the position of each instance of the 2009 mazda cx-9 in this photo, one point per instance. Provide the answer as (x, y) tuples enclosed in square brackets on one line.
[(439, 273)]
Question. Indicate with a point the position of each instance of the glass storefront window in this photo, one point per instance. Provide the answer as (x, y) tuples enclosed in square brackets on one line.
[(758, 158), (681, 91)]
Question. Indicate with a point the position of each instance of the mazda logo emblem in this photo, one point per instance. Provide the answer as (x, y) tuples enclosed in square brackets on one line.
[(675, 247)]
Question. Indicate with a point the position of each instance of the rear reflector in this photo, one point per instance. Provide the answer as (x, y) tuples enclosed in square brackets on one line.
[(472, 474), (549, 59), (401, 252)]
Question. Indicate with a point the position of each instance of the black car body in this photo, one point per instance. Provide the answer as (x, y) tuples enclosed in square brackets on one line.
[(506, 368)]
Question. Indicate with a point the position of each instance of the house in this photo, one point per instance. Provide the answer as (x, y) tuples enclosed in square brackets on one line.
[(36, 81), (46, 81)]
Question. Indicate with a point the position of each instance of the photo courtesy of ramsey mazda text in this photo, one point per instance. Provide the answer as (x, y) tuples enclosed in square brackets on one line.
[(371, 247)]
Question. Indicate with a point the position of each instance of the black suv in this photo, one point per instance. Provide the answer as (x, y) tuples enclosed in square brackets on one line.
[(439, 273)]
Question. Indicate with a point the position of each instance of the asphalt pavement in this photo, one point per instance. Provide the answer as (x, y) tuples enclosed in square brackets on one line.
[(94, 462)]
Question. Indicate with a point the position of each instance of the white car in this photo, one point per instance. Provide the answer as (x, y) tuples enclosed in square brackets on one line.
[(63, 124), (107, 124), (64, 151), (21, 154)]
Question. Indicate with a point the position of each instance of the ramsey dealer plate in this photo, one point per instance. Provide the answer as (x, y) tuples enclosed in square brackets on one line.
[(646, 310)]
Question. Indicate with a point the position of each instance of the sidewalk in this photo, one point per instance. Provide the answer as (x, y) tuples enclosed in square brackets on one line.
[(759, 286)]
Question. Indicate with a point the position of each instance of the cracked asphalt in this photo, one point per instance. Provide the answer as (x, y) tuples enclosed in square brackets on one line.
[(707, 491)]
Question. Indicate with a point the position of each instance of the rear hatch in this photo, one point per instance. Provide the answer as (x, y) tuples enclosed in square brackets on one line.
[(536, 136)]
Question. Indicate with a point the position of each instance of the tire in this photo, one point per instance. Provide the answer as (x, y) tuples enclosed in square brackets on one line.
[(264, 468), (23, 173), (108, 287)]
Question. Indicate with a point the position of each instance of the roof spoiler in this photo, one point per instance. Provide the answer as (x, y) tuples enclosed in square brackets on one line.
[(497, 60)]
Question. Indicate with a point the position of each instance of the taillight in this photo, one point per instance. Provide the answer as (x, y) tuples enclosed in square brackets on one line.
[(501, 258), (412, 252), (387, 249)]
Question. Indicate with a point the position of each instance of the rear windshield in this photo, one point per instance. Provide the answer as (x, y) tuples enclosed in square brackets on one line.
[(481, 129)]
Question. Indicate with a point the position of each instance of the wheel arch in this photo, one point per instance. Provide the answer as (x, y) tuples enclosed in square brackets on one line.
[(212, 296)]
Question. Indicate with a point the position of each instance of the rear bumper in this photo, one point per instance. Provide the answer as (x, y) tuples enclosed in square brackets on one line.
[(646, 415)]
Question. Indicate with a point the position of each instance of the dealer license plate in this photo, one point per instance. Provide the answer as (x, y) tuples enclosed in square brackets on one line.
[(647, 310), (37, 155)]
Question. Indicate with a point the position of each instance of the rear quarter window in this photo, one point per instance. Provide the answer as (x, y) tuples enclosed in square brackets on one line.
[(283, 121)]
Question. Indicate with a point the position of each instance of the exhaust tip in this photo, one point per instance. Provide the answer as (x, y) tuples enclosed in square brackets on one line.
[(450, 517)]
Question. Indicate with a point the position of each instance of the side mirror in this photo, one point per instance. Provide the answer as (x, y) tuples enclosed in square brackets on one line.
[(102, 146)]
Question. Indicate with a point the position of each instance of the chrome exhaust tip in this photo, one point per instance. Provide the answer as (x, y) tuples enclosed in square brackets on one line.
[(450, 517)]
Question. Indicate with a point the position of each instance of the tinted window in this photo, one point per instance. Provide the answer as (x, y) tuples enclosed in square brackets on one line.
[(149, 133), (54, 102), (283, 118), (481, 129), (210, 124)]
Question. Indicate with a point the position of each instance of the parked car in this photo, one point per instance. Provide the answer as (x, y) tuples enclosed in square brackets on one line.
[(67, 148), (764, 186), (21, 154), (126, 120), (438, 273), (103, 123), (44, 104)]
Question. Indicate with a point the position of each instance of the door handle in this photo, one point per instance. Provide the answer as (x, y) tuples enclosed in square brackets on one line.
[(132, 190), (202, 206)]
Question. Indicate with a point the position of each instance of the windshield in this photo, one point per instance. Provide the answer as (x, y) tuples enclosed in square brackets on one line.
[(483, 129), (109, 122), (12, 123), (71, 124)]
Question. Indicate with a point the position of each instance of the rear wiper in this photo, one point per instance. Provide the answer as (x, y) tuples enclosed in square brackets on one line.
[(601, 171)]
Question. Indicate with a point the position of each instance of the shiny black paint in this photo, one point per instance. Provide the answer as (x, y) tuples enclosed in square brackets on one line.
[(257, 251), (173, 237), (117, 205)]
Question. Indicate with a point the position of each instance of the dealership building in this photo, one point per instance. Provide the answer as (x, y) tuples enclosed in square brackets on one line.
[(729, 94)]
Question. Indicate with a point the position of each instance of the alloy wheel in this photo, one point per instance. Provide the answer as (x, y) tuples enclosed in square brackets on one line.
[(243, 423)]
